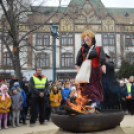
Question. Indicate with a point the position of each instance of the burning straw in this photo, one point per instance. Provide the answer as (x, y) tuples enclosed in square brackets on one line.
[(81, 105)]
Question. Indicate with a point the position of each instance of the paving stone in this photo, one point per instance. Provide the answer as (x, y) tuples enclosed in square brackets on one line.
[(117, 130)]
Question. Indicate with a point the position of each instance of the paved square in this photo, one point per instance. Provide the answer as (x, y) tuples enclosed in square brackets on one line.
[(127, 127)]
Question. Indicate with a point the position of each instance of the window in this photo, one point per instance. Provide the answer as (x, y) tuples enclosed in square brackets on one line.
[(133, 39), (43, 60), (7, 38), (67, 39), (130, 57), (7, 60), (43, 40), (39, 40), (67, 60), (108, 39), (64, 39), (105, 39), (128, 40), (111, 39), (70, 39), (112, 55), (46, 40)]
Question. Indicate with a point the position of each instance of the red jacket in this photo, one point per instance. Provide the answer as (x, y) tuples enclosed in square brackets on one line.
[(95, 61)]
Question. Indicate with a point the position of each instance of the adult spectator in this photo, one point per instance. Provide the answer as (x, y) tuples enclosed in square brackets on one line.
[(1, 82), (47, 106), (14, 79), (110, 86), (28, 95), (60, 87), (123, 95), (38, 85), (130, 95), (56, 82), (24, 79)]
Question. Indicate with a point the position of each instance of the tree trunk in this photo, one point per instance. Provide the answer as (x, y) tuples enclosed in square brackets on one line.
[(16, 61), (17, 69)]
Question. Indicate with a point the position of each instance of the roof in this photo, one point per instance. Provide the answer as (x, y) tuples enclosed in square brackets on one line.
[(118, 14), (100, 9), (44, 9)]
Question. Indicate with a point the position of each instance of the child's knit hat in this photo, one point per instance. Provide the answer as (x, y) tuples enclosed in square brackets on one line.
[(2, 93), (16, 84)]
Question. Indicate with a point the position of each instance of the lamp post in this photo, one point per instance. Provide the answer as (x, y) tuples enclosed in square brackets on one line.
[(54, 33)]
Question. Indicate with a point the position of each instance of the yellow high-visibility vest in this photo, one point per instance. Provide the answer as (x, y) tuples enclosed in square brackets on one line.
[(39, 84), (129, 88)]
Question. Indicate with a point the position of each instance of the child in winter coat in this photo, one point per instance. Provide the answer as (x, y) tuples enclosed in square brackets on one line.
[(24, 105), (5, 103), (17, 101), (55, 98), (65, 93)]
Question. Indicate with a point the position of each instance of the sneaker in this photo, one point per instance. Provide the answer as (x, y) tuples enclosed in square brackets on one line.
[(25, 123), (6, 127), (18, 125), (46, 120), (14, 126), (32, 125), (42, 123)]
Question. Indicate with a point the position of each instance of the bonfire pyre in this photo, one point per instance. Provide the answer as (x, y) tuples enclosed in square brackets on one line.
[(81, 106)]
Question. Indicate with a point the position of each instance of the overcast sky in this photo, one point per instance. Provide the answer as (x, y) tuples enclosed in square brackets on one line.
[(107, 3)]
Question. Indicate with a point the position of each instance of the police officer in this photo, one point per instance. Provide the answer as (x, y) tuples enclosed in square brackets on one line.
[(39, 85)]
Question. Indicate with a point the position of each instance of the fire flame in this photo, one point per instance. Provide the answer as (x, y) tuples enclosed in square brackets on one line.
[(80, 104)]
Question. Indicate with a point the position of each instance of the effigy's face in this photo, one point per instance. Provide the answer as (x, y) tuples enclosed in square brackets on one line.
[(88, 40)]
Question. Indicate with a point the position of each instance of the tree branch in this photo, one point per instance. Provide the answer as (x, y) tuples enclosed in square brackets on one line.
[(37, 27), (7, 46)]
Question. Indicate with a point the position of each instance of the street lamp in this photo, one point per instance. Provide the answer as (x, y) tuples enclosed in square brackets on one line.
[(54, 33)]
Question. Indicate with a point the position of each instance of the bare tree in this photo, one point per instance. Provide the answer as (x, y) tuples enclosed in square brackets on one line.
[(18, 13)]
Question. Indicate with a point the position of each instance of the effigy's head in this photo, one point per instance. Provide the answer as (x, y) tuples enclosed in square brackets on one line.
[(88, 37)]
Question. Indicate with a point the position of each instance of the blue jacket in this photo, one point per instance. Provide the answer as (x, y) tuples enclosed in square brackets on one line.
[(24, 97), (65, 93), (123, 91)]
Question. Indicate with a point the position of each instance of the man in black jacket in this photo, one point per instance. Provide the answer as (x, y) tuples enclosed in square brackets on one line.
[(110, 86), (38, 85), (13, 80)]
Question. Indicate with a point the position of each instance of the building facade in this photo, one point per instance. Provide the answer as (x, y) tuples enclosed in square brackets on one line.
[(113, 28)]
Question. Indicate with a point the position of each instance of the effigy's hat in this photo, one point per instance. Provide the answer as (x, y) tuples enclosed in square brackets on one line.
[(107, 56)]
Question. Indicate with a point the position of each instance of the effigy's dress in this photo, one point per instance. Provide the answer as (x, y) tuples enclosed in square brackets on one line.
[(94, 89)]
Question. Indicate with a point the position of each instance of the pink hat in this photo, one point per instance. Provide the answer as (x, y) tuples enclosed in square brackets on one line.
[(3, 94)]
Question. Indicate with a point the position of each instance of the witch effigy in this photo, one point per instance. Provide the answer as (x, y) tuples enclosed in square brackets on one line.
[(93, 89)]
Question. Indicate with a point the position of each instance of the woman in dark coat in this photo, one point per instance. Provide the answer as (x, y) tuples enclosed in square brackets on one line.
[(111, 87), (93, 89)]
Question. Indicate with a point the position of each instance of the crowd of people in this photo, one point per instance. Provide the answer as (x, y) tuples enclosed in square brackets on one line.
[(22, 99), (18, 96)]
